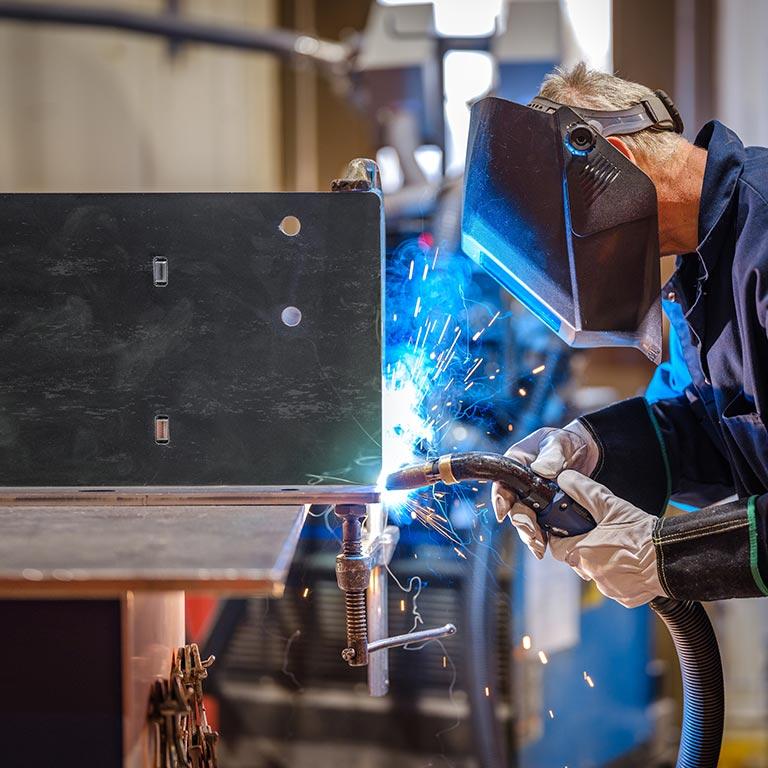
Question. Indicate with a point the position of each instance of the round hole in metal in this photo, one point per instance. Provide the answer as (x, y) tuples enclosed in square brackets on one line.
[(291, 316), (290, 226)]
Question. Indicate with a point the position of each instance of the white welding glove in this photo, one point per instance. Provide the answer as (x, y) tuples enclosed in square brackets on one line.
[(618, 554), (547, 452)]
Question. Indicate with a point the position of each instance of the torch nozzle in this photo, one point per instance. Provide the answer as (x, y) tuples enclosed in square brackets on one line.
[(412, 477)]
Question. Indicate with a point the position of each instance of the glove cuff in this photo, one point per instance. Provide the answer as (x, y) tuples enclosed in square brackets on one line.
[(633, 460), (715, 553)]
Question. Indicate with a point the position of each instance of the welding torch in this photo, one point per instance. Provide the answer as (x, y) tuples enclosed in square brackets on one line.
[(556, 512)]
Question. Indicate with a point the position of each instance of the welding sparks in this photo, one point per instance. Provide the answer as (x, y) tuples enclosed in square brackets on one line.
[(445, 328), (459, 553), (487, 691), (526, 642), (538, 369), (429, 358), (551, 714), (588, 680), (473, 368), (432, 519), (445, 662), (402, 606), (522, 392), (543, 657), (305, 593)]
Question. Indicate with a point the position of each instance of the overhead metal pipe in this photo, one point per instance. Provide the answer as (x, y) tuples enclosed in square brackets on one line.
[(281, 42)]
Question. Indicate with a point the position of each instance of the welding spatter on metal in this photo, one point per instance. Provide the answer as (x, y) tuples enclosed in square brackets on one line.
[(353, 573)]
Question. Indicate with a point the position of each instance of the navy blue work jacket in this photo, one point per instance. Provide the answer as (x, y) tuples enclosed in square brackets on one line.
[(713, 410)]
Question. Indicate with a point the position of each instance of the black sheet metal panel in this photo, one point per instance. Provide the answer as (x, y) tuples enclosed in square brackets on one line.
[(80, 550), (93, 352)]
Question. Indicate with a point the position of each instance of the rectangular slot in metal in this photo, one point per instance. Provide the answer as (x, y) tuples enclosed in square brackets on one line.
[(160, 271), (162, 430)]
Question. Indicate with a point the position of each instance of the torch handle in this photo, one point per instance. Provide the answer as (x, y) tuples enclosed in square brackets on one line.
[(563, 516)]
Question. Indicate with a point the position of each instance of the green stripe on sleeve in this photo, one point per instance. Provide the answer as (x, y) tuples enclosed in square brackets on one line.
[(753, 563)]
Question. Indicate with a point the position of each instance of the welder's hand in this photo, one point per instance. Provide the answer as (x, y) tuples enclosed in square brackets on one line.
[(618, 554), (547, 452)]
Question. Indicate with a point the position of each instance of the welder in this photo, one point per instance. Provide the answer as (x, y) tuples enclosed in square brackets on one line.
[(583, 253)]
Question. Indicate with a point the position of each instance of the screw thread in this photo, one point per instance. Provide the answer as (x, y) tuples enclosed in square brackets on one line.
[(357, 624)]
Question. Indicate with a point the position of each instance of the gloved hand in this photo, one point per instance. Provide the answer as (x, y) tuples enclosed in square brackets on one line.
[(547, 452), (619, 554)]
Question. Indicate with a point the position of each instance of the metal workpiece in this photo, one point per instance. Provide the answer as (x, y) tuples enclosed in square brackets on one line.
[(380, 547), (188, 495), (205, 354), (378, 621), (70, 550), (380, 542)]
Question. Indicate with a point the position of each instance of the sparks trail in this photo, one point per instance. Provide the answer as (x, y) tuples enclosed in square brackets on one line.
[(285, 669), (419, 509), (416, 583), (451, 686)]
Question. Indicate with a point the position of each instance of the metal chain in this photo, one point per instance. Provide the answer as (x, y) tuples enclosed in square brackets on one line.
[(182, 736)]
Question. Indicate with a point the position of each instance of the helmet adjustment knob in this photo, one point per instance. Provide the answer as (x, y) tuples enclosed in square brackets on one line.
[(580, 138)]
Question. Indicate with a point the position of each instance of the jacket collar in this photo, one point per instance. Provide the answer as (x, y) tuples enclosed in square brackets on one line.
[(725, 161)]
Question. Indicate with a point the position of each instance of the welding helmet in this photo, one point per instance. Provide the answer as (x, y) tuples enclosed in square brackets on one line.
[(564, 220)]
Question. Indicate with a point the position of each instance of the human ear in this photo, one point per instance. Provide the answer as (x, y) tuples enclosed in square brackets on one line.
[(622, 147)]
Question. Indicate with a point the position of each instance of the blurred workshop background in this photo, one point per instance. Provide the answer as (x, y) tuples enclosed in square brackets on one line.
[(543, 671)]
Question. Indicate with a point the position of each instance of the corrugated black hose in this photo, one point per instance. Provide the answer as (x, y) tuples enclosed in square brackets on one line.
[(702, 673)]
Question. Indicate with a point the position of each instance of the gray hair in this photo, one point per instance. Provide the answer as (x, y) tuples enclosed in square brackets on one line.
[(589, 88)]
